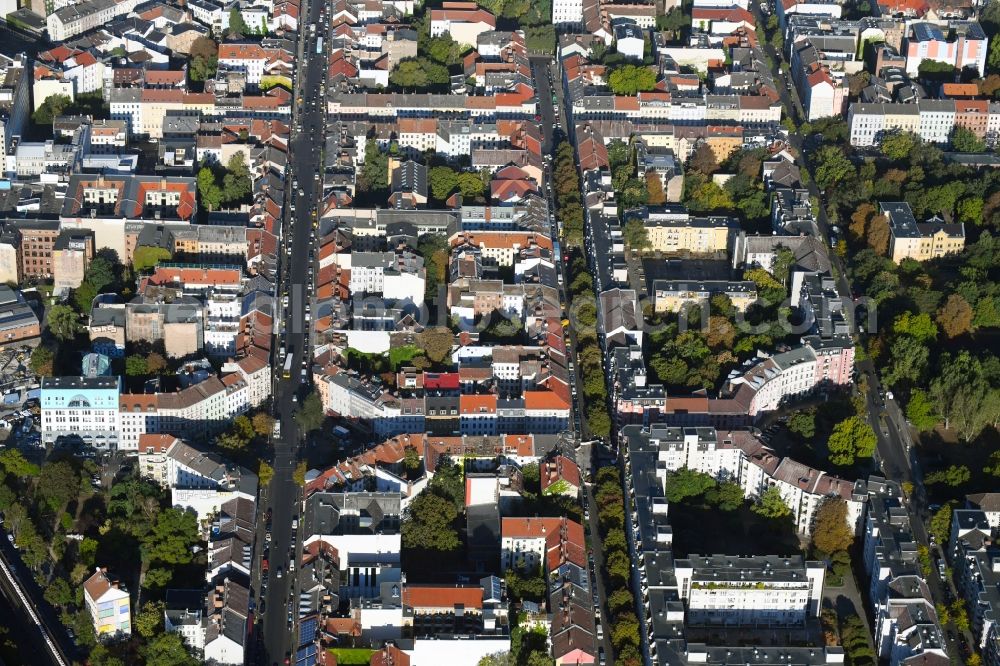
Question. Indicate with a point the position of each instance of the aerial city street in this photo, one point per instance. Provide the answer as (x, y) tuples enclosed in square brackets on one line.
[(500, 333)]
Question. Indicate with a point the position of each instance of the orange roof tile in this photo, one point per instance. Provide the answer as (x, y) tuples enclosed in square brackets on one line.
[(434, 596)]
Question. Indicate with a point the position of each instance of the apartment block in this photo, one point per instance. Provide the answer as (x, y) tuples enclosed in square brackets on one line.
[(962, 44), (738, 456), (768, 591), (674, 295), (109, 605), (906, 624), (975, 559), (80, 409), (15, 94), (672, 229)]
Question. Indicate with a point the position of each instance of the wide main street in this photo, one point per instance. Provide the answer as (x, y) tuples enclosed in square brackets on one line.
[(283, 495)]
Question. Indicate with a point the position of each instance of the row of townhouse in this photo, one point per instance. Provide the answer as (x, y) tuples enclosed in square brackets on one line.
[(95, 412), (738, 456), (933, 120), (542, 410), (384, 461), (148, 110), (76, 19), (391, 106), (704, 593), (975, 560), (664, 108), (906, 625), (275, 16)]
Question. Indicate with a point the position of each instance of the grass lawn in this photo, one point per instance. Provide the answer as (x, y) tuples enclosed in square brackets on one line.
[(697, 528), (352, 656)]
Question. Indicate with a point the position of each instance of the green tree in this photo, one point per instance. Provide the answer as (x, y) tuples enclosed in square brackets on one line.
[(135, 365), (803, 423), (631, 79), (311, 414), (970, 210), (852, 439), (263, 424), (618, 567), (443, 181), (917, 326), (532, 588), (172, 538), (959, 616), (209, 191), (58, 593), (445, 50), (727, 496), (625, 631), (920, 411), (146, 258), (430, 524), (149, 619), (963, 395), (100, 273), (686, 483), (674, 22), (264, 473), (63, 322), (412, 460), (619, 153), (236, 183), (41, 361), (831, 167), (167, 649), (299, 473), (237, 26), (940, 523), (157, 578), (771, 505), (83, 297), (58, 483), (899, 145), (231, 441), (620, 600), (636, 236), (51, 108), (831, 533), (13, 462), (910, 359), (953, 476), (965, 141), (374, 176), (598, 421)]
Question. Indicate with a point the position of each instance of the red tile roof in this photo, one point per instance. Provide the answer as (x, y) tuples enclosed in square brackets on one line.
[(442, 597)]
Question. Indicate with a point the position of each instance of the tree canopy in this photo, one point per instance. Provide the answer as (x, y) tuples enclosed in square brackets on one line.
[(631, 79)]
